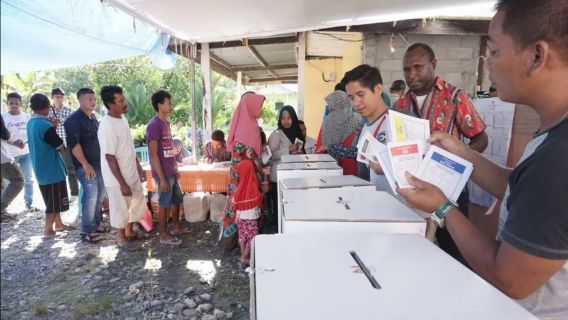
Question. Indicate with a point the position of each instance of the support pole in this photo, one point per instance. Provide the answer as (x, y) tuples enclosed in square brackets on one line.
[(207, 94), (301, 73), (192, 55)]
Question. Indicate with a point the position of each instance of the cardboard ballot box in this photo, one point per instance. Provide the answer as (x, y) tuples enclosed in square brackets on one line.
[(289, 158), (346, 210), (305, 170), (316, 277)]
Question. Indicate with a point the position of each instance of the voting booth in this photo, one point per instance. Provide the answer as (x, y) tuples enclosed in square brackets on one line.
[(318, 277), (344, 205), (289, 158), (304, 170)]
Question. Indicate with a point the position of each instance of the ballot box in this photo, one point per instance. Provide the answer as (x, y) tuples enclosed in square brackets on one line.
[(407, 277), (289, 158), (346, 210), (305, 170)]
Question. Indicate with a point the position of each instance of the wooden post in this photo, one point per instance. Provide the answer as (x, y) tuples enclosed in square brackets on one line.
[(301, 73), (239, 85), (206, 78), (192, 55)]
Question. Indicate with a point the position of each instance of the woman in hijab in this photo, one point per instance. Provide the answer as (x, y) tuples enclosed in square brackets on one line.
[(288, 139), (244, 144), (340, 127)]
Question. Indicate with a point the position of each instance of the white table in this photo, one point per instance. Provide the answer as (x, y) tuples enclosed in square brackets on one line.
[(312, 277), (355, 210), (289, 158), (305, 170)]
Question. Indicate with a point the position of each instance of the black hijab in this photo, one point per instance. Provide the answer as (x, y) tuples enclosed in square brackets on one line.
[(294, 131)]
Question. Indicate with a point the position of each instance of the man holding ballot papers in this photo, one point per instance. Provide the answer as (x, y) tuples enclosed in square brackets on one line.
[(528, 62)]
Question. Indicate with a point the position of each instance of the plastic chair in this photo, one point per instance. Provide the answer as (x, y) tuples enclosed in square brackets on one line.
[(142, 154)]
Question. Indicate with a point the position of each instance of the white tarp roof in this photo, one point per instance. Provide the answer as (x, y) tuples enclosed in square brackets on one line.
[(220, 20)]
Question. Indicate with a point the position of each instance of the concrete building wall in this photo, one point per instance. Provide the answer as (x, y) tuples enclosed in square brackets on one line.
[(457, 57)]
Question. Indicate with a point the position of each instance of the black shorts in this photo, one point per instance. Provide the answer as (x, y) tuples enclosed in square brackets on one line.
[(55, 197)]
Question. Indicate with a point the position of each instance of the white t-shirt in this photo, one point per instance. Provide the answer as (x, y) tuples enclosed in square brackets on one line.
[(17, 127), (115, 139), (420, 100)]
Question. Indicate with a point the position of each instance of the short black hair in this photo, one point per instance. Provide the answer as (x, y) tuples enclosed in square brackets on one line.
[(528, 21), (14, 95), (340, 86), (159, 97), (57, 92), (83, 91), (39, 101), (425, 47), (367, 75), (398, 85), (218, 135), (301, 122), (107, 94)]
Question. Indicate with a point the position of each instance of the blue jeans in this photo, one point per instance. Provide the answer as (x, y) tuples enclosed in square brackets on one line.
[(174, 196), (91, 201), (26, 167)]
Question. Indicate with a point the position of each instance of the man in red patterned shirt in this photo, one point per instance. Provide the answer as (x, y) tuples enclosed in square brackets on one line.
[(447, 107)]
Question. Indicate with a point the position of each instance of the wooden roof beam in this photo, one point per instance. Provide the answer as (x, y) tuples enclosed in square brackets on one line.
[(261, 61)]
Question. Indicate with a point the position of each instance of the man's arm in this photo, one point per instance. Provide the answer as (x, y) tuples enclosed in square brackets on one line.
[(115, 169), (514, 272), (80, 156), (52, 138), (5, 131), (479, 142), (156, 165)]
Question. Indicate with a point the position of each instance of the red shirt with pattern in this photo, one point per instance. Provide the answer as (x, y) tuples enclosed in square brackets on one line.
[(448, 108)]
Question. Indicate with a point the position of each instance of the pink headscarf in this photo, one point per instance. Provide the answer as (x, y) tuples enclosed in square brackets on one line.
[(244, 128)]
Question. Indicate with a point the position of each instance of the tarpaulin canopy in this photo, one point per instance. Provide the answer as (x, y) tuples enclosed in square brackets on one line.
[(220, 20), (39, 35)]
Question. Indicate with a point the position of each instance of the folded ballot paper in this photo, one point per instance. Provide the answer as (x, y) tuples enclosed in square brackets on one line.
[(403, 128)]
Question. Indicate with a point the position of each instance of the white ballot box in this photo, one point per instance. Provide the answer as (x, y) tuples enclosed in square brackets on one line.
[(289, 158), (316, 277), (346, 210), (304, 170)]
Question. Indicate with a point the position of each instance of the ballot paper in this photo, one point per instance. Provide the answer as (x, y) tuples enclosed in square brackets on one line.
[(404, 157), (446, 171), (266, 155), (383, 158), (403, 128), (370, 147), (299, 142)]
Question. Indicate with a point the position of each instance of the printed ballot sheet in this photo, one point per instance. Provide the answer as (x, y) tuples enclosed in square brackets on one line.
[(446, 171), (371, 147), (498, 117), (266, 155), (405, 128), (383, 158), (404, 157), (299, 142)]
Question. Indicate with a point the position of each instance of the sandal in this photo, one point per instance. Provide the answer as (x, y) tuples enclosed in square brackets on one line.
[(138, 236), (91, 238), (171, 241), (128, 246), (66, 227), (9, 216)]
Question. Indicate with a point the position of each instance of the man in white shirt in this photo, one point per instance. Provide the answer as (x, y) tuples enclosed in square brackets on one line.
[(121, 171), (10, 172), (16, 121)]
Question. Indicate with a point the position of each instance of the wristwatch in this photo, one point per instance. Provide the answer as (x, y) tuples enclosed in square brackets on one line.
[(439, 215)]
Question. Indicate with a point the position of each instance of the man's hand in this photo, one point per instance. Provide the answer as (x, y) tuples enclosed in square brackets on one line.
[(376, 167), (125, 190), (425, 196), (322, 149), (89, 171), (19, 144), (141, 172), (164, 184), (448, 142)]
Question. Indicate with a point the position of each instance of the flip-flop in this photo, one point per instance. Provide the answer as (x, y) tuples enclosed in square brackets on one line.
[(91, 238), (171, 241), (9, 216), (66, 227), (138, 236), (104, 229)]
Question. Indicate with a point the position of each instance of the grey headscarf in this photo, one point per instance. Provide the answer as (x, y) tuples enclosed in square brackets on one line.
[(341, 121)]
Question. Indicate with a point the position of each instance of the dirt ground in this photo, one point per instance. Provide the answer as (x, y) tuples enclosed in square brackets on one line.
[(68, 279)]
